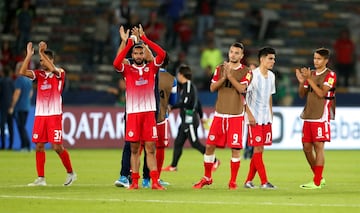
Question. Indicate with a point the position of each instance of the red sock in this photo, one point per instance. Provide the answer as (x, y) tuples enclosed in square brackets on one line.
[(40, 163), (318, 174), (234, 166), (160, 154), (259, 164), (65, 158), (154, 175), (313, 169), (135, 178), (252, 171), (208, 168)]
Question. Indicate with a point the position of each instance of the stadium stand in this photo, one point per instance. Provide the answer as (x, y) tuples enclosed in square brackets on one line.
[(302, 26)]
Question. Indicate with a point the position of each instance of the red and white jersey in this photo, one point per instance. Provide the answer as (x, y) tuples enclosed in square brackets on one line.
[(49, 89), (329, 80), (140, 85)]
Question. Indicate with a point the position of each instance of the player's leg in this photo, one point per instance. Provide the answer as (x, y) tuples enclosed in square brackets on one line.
[(209, 159), (40, 165), (234, 167), (125, 174), (39, 138), (151, 162), (234, 141), (178, 145), (319, 162), (252, 168), (146, 172), (11, 130)]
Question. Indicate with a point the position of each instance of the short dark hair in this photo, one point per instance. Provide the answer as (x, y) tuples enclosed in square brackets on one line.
[(50, 53), (324, 52), (138, 45), (266, 51), (238, 44), (185, 71)]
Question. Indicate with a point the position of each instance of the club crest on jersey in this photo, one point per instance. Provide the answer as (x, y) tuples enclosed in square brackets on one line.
[(141, 81), (146, 69), (130, 133), (45, 86)]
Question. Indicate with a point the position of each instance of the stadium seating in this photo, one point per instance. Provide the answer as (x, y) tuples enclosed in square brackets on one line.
[(303, 26)]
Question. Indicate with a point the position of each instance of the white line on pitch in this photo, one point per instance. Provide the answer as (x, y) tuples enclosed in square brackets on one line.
[(180, 202)]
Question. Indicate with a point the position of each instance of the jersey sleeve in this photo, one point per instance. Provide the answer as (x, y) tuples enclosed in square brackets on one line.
[(247, 78), (216, 75), (330, 80), (173, 94), (118, 61)]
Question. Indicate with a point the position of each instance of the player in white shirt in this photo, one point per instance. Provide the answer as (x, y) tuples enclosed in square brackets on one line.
[(48, 111), (259, 115)]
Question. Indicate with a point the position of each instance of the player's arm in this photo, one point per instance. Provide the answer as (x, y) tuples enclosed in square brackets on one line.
[(240, 87), (319, 91), (160, 53), (124, 35), (218, 79), (148, 54), (119, 60), (301, 89), (24, 66), (173, 94), (199, 110), (250, 115), (14, 100), (270, 106), (46, 60)]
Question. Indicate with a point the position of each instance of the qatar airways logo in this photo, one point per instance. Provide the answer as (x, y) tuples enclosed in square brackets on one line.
[(141, 82), (45, 86)]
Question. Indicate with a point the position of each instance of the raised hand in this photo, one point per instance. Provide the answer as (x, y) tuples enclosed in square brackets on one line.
[(227, 69), (135, 32), (141, 30), (29, 49), (42, 46), (306, 72), (124, 35)]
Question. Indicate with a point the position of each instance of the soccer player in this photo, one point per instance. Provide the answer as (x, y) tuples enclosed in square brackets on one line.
[(48, 111), (141, 103), (318, 86), (259, 115), (230, 80), (167, 90)]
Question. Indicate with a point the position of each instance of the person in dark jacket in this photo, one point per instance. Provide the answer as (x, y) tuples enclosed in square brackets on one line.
[(191, 113)]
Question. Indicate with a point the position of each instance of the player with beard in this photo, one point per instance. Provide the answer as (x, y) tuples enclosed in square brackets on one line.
[(141, 103), (230, 80)]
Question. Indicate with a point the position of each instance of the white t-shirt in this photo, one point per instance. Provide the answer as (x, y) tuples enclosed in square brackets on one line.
[(258, 96)]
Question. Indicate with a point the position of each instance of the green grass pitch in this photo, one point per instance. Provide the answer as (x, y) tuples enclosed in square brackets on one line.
[(98, 169)]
